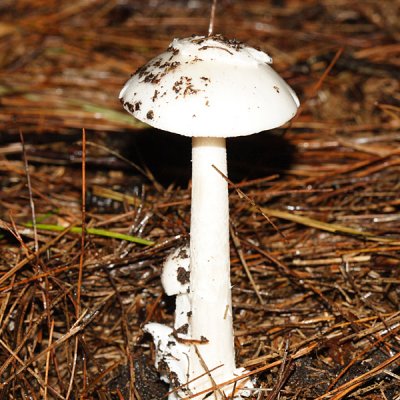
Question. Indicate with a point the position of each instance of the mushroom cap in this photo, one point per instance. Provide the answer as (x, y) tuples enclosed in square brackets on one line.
[(209, 86)]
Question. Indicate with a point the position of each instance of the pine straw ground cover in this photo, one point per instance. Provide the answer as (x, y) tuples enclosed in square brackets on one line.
[(316, 294)]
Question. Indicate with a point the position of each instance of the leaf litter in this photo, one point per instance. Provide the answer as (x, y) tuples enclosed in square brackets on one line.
[(315, 293)]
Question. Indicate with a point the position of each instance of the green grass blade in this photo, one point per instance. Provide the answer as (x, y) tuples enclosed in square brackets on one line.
[(93, 231)]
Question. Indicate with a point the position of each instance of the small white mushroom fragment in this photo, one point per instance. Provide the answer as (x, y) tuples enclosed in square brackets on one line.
[(175, 279), (172, 357), (172, 354), (210, 88)]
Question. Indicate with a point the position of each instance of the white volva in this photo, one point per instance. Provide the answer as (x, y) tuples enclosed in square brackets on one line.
[(207, 88)]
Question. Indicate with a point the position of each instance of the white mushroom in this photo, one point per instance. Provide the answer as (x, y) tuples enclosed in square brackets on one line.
[(210, 88)]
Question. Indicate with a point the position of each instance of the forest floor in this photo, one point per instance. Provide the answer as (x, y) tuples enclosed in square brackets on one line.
[(315, 265)]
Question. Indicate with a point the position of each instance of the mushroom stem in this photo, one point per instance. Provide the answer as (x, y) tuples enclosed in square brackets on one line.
[(210, 288)]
